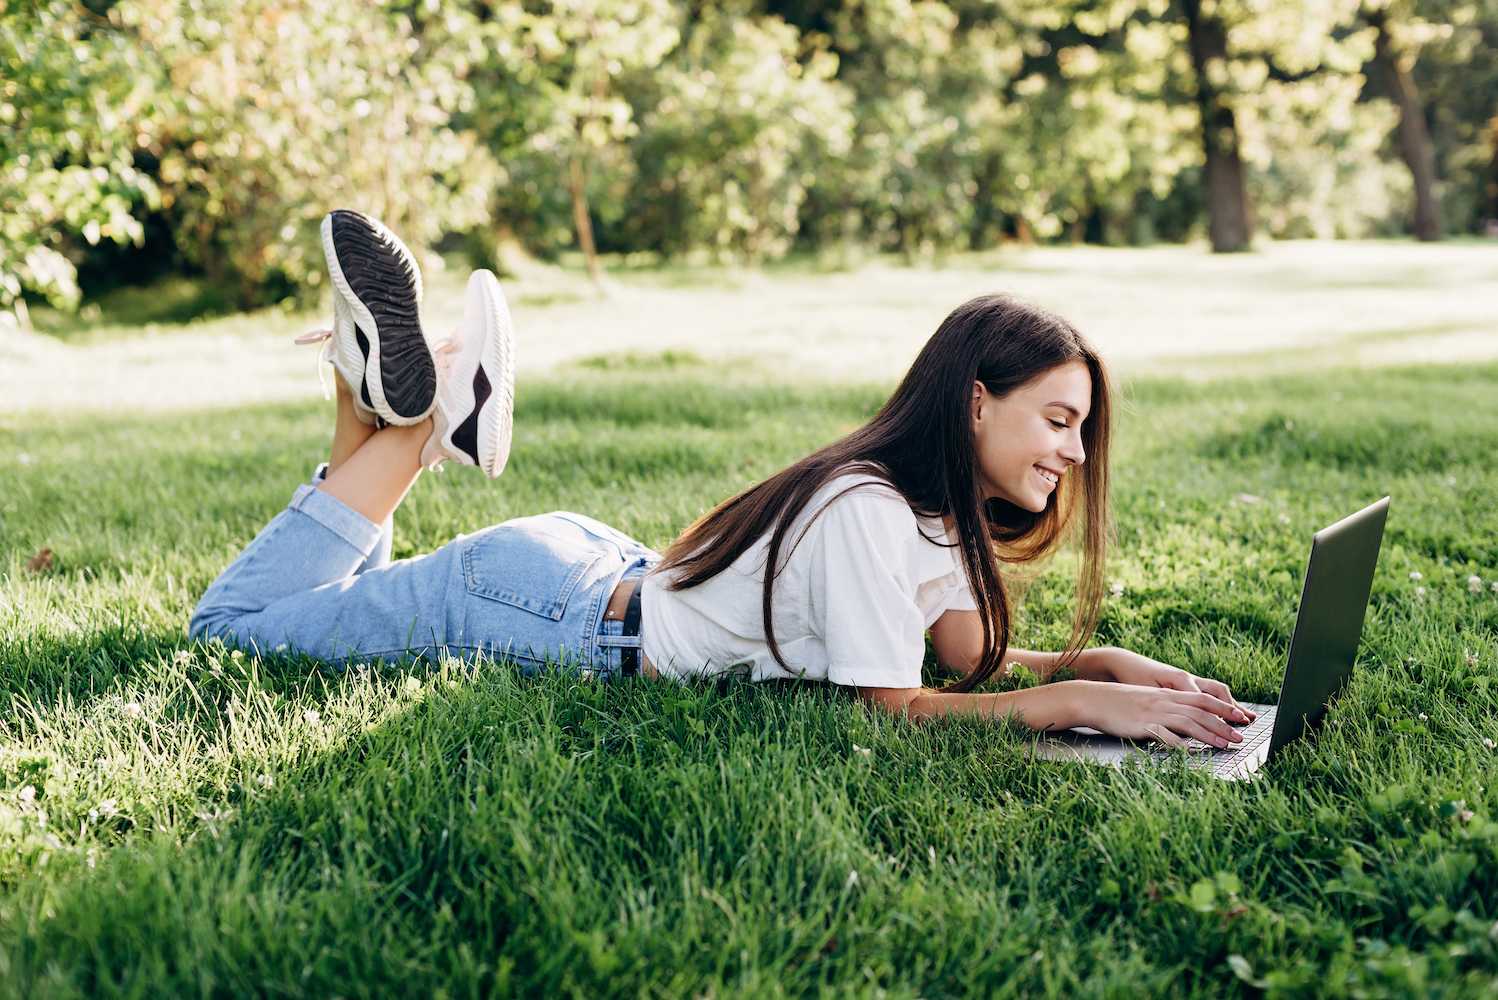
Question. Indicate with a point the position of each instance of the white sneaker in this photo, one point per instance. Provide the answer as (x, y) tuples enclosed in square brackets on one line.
[(473, 420), (329, 355), (378, 345)]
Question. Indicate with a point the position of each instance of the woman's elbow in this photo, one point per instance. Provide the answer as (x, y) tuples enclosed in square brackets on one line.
[(895, 701)]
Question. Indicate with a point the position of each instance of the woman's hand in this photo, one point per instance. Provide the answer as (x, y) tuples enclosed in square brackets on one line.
[(1126, 667), (1138, 712)]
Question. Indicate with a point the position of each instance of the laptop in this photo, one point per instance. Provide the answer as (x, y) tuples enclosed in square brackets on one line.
[(1333, 603)]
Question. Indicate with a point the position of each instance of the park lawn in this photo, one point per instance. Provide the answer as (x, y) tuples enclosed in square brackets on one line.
[(204, 823)]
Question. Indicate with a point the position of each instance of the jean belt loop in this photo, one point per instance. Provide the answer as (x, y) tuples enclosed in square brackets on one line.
[(630, 657)]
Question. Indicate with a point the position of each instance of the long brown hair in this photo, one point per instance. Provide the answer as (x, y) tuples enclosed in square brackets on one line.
[(921, 442)]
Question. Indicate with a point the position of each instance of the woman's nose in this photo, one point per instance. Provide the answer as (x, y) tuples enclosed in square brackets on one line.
[(1073, 452)]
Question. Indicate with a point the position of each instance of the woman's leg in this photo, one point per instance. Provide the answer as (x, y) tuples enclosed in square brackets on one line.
[(349, 434), (334, 529), (378, 475)]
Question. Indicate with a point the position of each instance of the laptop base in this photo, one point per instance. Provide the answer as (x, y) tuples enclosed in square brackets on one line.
[(1236, 763)]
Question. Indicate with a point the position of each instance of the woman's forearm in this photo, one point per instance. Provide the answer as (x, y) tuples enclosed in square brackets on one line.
[(1088, 665), (1048, 707)]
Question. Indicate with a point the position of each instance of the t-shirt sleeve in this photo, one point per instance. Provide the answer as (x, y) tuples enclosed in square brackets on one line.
[(961, 599), (863, 591)]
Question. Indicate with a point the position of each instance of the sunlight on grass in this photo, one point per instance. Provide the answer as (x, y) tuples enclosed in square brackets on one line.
[(1167, 310)]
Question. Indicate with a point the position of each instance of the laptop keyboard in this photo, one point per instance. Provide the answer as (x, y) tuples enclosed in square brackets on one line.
[(1228, 759)]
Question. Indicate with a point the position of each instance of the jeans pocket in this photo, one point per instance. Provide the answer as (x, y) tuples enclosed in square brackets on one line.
[(533, 563)]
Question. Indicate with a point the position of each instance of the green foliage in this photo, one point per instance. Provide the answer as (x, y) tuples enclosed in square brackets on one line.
[(736, 132), (743, 130), (280, 111), (551, 81), (73, 93)]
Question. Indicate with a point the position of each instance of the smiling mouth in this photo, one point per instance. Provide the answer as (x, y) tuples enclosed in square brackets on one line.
[(1049, 478)]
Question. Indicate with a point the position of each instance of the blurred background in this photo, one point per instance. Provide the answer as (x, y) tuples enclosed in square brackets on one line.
[(163, 161)]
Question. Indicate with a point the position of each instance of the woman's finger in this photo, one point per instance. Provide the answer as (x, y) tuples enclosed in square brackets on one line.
[(1197, 728), (1226, 709), (1217, 689), (1220, 730), (1182, 681), (1163, 735)]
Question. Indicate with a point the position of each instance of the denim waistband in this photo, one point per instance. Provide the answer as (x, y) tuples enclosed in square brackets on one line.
[(619, 645)]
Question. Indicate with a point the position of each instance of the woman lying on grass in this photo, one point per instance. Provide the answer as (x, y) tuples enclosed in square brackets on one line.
[(993, 442)]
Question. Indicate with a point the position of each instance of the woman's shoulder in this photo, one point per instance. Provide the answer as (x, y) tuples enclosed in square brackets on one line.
[(864, 491)]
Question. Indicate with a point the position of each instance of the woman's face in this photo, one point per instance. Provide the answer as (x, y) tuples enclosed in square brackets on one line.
[(1031, 438)]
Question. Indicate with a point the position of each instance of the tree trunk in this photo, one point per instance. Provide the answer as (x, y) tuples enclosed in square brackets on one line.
[(580, 221), (1491, 187), (1228, 220), (1415, 147)]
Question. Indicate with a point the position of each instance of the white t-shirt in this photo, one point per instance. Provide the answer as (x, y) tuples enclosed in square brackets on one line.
[(851, 604)]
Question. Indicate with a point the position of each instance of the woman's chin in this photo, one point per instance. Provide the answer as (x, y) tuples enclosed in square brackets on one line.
[(1030, 501)]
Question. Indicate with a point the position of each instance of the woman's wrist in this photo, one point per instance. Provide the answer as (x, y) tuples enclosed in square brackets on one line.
[(1092, 664)]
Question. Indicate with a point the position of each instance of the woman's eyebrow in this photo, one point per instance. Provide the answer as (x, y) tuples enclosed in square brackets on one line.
[(1067, 407)]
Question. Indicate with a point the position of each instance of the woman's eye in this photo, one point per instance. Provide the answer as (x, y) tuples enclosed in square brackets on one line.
[(1059, 423)]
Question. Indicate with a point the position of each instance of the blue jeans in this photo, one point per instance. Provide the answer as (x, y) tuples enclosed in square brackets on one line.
[(318, 580)]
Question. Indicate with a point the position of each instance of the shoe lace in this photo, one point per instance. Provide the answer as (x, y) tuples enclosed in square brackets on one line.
[(443, 351), (324, 337)]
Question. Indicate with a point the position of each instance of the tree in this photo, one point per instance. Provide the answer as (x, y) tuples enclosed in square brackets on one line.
[(282, 109), (1229, 223), (733, 130), (74, 95), (1393, 60), (564, 59)]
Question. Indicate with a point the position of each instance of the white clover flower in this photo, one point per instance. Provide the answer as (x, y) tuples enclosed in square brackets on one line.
[(265, 781), (311, 716), (852, 879), (1284, 519), (24, 458), (863, 750), (27, 793), (105, 809), (1419, 591), (1423, 717), (1470, 657), (1487, 741), (1416, 575), (1474, 584), (281, 648), (1494, 586), (182, 656), (413, 686), (1116, 589), (237, 655), (133, 710)]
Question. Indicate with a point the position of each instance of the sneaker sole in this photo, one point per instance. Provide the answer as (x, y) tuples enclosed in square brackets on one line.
[(377, 278), (485, 434)]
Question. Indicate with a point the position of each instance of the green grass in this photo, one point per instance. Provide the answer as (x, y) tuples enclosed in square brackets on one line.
[(208, 823)]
